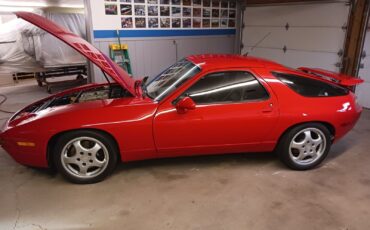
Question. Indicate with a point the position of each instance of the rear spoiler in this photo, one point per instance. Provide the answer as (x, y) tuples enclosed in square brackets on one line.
[(337, 78)]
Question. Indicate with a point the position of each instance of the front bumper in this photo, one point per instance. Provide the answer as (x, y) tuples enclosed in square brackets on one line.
[(25, 154)]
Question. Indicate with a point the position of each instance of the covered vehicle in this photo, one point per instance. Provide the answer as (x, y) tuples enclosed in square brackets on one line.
[(203, 104)]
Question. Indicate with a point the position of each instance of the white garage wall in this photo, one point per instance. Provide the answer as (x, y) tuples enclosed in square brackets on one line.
[(150, 55), (363, 90), (313, 39)]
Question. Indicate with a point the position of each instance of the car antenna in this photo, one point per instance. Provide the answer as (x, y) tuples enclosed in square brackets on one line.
[(258, 42)]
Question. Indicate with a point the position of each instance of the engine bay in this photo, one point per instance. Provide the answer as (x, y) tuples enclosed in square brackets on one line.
[(85, 95)]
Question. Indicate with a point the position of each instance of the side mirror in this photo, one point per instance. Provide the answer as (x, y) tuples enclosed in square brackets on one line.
[(184, 105)]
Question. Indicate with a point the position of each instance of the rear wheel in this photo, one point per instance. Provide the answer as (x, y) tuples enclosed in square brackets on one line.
[(85, 157), (304, 146)]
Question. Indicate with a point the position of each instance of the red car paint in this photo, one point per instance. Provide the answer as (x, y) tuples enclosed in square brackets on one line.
[(144, 128)]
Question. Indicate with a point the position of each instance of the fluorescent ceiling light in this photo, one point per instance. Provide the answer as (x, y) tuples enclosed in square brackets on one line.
[(23, 4), (37, 4), (13, 9), (70, 6)]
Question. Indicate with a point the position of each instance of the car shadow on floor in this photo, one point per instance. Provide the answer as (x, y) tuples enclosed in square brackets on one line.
[(241, 159), (342, 146), (255, 159)]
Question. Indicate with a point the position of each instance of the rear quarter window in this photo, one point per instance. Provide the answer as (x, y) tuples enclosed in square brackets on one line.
[(310, 87)]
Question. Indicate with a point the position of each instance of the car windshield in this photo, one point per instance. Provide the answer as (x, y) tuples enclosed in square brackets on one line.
[(166, 82)]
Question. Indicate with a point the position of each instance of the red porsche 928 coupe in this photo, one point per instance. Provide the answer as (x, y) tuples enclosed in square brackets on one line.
[(203, 104)]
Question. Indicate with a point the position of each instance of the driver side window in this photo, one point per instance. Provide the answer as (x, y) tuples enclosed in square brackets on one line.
[(226, 87)]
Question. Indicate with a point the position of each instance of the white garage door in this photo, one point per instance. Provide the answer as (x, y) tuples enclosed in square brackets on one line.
[(363, 90), (312, 34)]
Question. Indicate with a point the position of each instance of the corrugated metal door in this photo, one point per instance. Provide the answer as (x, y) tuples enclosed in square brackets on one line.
[(363, 90), (309, 35)]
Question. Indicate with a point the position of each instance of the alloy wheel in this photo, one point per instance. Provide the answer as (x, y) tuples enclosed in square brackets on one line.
[(84, 157), (307, 146)]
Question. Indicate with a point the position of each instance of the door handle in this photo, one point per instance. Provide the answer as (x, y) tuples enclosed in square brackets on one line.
[(268, 108)]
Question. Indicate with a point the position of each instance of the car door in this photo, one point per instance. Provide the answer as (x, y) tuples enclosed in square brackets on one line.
[(234, 112)]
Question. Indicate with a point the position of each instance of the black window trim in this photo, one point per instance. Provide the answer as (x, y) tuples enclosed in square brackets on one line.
[(268, 96)]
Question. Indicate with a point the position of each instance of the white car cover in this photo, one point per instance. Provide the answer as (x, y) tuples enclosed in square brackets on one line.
[(26, 48)]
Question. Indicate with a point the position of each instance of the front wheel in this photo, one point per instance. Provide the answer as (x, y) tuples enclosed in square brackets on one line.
[(304, 146), (85, 157)]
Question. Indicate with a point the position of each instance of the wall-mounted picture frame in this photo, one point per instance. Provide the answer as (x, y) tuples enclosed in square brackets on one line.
[(126, 22), (232, 13), (111, 9), (153, 22), (186, 22), (165, 22), (139, 10), (206, 13), (176, 22), (176, 2), (126, 9), (197, 2), (215, 23), (206, 23), (152, 10), (165, 11), (175, 11), (197, 12), (232, 23), (197, 22), (215, 13), (232, 4), (223, 23), (186, 2), (186, 12), (215, 3), (224, 3), (140, 22), (224, 13)]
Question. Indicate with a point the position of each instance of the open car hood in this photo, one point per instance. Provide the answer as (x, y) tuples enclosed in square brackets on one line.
[(83, 47)]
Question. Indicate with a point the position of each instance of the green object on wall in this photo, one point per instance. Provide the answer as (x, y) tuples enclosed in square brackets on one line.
[(119, 54)]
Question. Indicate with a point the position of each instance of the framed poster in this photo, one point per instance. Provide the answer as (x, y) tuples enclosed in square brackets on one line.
[(177, 14)]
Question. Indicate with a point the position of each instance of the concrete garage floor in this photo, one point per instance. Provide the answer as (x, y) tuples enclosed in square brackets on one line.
[(244, 191)]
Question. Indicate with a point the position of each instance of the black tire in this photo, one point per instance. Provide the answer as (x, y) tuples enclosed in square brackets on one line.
[(288, 154), (108, 150)]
